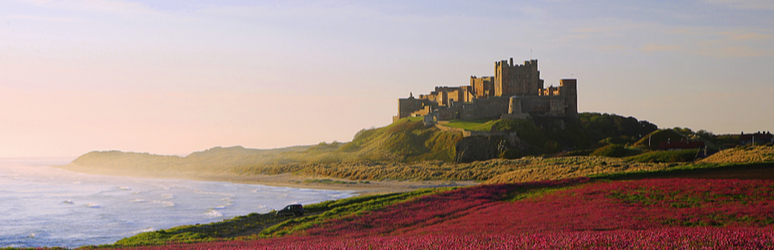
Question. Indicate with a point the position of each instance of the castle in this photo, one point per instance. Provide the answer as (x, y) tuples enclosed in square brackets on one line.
[(515, 91)]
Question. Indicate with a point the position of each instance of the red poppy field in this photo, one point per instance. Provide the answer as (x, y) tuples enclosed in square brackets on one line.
[(577, 213)]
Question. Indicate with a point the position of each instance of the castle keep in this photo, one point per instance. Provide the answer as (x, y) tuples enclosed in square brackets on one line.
[(515, 91)]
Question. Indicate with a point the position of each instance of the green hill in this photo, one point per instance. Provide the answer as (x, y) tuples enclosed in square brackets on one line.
[(400, 145), (653, 139), (214, 160)]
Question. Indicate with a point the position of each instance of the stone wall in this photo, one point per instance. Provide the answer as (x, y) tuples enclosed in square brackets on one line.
[(481, 100), (479, 148), (482, 87)]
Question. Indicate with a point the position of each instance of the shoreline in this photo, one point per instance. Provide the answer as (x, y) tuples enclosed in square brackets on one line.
[(370, 187)]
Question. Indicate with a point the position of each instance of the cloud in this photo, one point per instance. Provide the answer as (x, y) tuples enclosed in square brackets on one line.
[(745, 4), (38, 2), (592, 30), (749, 36), (736, 44), (721, 42), (41, 18), (656, 47), (111, 6), (612, 48), (737, 52)]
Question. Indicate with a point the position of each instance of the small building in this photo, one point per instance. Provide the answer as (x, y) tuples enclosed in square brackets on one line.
[(756, 138)]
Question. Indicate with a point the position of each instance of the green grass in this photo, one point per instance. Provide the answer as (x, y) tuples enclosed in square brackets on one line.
[(342, 208), (665, 156), (415, 119), (612, 150), (536, 193), (677, 170), (472, 125), (268, 224)]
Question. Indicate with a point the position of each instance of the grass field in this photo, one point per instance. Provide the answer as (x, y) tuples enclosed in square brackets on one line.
[(472, 125), (650, 213), (591, 201), (763, 153)]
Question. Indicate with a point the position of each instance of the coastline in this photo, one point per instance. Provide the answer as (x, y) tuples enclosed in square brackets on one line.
[(285, 180)]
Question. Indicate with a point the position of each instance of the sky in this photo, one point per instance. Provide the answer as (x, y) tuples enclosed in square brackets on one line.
[(179, 76)]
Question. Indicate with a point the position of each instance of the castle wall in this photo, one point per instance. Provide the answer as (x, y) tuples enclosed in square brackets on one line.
[(445, 95), (550, 91), (423, 111), (489, 97), (543, 105), (406, 106), (491, 107), (482, 87)]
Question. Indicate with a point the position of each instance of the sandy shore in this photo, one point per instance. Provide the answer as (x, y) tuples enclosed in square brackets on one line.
[(286, 180)]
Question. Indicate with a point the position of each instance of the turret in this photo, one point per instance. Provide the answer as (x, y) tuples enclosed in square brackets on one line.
[(569, 90), (514, 105)]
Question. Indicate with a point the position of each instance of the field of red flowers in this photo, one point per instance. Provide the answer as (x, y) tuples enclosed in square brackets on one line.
[(577, 213)]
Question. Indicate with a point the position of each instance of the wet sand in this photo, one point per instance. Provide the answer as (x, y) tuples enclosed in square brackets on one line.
[(285, 180)]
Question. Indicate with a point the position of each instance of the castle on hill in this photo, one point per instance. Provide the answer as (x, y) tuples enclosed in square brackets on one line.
[(515, 91)]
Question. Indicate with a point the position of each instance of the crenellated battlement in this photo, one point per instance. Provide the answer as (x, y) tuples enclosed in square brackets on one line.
[(491, 96)]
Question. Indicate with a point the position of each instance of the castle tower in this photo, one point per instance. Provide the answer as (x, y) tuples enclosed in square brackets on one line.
[(569, 90), (513, 79), (482, 87), (514, 105)]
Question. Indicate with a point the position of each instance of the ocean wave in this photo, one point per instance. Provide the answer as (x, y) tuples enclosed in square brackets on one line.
[(152, 204), (150, 229), (164, 203), (213, 214)]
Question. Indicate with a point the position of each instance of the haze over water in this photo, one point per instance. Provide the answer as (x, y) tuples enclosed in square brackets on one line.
[(45, 206)]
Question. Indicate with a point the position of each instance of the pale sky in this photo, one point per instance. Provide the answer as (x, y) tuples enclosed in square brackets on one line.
[(174, 77)]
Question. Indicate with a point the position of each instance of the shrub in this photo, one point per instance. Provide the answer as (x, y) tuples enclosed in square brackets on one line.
[(612, 150)]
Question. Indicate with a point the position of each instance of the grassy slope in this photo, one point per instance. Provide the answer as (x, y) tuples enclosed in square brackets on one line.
[(214, 160), (348, 210), (406, 140), (659, 136), (406, 150), (269, 225), (472, 125)]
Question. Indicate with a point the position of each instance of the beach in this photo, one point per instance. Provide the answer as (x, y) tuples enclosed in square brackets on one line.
[(53, 207), (285, 180)]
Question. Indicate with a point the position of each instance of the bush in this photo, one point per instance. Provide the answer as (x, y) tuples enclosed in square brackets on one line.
[(612, 150), (511, 153)]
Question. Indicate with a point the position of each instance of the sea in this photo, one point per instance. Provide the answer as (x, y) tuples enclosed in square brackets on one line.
[(44, 206)]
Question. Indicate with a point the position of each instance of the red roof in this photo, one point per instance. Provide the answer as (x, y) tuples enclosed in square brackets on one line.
[(758, 137)]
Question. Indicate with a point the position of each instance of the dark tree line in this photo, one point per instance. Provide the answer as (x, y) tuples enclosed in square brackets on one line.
[(615, 128)]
